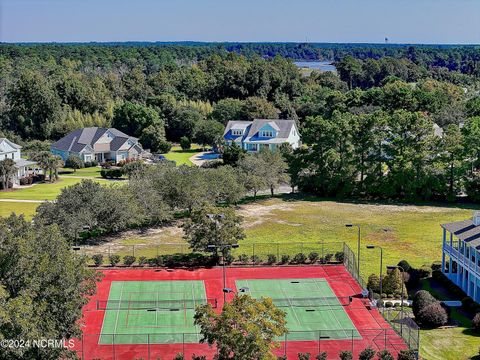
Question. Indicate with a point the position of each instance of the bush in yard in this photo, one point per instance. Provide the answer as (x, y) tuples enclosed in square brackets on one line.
[(476, 322), (313, 257), (142, 260), (433, 315), (366, 354), (299, 258), (421, 299), (303, 356), (285, 259), (321, 356), (74, 162), (404, 265), (179, 356), (185, 143), (373, 283), (97, 259), (243, 258), (385, 355), (425, 272), (129, 260), (328, 257), (388, 304), (407, 355), (114, 260), (271, 259), (436, 266), (228, 259), (255, 259), (199, 357), (345, 355), (339, 256)]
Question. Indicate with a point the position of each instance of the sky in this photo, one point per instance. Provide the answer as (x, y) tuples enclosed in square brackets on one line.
[(367, 21)]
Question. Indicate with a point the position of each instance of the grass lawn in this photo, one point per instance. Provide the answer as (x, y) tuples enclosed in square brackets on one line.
[(42, 191), (28, 209), (85, 172), (182, 157)]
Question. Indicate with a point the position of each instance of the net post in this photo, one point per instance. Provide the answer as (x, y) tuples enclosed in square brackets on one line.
[(113, 346), (148, 346), (253, 253), (183, 344), (319, 341), (285, 347), (352, 341)]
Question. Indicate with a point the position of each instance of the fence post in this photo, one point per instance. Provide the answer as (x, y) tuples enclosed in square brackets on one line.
[(385, 344), (157, 249), (352, 342), (108, 250), (183, 344), (278, 252), (323, 252), (148, 346), (319, 341), (253, 254), (133, 250), (285, 348)]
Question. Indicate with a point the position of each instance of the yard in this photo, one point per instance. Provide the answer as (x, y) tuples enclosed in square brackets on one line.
[(93, 172), (25, 208), (182, 157)]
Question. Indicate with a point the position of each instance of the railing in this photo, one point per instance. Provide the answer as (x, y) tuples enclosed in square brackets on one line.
[(166, 346)]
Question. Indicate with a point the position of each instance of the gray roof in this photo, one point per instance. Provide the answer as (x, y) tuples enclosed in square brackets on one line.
[(12, 144), (465, 230), (79, 139), (283, 128), (22, 162)]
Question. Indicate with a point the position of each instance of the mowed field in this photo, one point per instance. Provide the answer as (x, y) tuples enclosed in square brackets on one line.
[(182, 157)]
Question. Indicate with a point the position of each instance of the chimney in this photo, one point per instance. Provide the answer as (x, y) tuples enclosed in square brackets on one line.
[(476, 218)]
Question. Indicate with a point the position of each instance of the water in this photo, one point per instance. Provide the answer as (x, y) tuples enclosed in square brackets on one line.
[(316, 65)]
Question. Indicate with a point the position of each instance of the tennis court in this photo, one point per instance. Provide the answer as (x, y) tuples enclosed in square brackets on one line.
[(310, 304), (153, 311)]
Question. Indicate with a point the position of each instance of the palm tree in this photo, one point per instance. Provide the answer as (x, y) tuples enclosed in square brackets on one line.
[(7, 171), (42, 159)]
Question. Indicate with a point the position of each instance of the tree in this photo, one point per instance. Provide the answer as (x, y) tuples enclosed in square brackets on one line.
[(421, 299), (407, 355), (74, 162), (385, 355), (182, 123), (259, 108), (393, 283), (229, 109), (185, 143), (232, 154), (252, 174), (211, 225), (452, 151), (275, 169), (133, 118), (43, 287), (374, 283), (208, 132), (244, 330), (349, 70), (433, 314), (476, 322), (7, 171), (153, 138), (49, 163), (366, 354)]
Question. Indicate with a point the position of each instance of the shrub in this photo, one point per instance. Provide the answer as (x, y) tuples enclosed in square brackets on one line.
[(199, 357), (313, 257), (366, 354), (385, 355), (285, 259), (433, 314), (228, 259), (142, 260), (74, 162), (328, 257), (436, 266), (388, 304), (407, 355), (283, 357), (321, 356), (243, 258), (113, 173), (421, 299), (424, 272), (299, 258), (255, 259), (339, 256), (271, 259), (345, 355), (373, 283), (97, 259), (179, 356), (476, 322), (129, 260), (404, 265), (303, 356), (114, 260), (185, 143)]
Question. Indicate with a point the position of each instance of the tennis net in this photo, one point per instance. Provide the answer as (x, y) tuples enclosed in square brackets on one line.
[(313, 302), (152, 305)]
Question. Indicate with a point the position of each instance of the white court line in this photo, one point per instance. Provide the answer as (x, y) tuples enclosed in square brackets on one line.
[(118, 310)]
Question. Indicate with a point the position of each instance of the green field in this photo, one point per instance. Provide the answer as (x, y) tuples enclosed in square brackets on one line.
[(43, 191), (310, 305), (181, 157), (161, 312), (27, 209)]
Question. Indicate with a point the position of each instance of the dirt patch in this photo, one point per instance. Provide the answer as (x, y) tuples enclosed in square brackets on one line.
[(256, 214)]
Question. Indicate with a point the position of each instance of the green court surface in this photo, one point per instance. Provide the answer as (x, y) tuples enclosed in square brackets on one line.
[(155, 312), (312, 308)]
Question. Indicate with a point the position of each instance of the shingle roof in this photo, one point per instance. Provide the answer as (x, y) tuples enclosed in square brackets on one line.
[(466, 231), (22, 162), (79, 139), (251, 128), (12, 144)]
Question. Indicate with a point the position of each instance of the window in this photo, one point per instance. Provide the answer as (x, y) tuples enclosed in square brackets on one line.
[(237, 132), (266, 133)]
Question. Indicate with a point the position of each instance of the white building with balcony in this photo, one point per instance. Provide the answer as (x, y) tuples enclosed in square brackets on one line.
[(461, 254)]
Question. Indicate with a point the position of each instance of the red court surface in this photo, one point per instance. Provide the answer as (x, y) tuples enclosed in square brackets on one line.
[(373, 329)]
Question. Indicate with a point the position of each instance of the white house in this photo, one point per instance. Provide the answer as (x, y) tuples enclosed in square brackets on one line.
[(461, 248), (259, 134), (100, 144), (10, 150)]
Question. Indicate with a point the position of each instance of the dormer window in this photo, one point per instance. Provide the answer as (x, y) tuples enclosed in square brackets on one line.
[(237, 132), (266, 133)]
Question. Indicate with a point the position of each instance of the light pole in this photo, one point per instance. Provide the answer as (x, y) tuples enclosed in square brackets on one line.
[(381, 267), (358, 245), (393, 267), (222, 249)]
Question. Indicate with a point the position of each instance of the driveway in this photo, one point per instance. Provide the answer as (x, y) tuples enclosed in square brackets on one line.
[(202, 157)]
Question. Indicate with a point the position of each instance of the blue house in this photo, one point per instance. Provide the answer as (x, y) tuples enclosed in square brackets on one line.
[(253, 136)]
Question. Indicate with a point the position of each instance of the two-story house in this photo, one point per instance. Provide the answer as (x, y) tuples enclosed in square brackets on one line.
[(461, 254), (10, 150), (253, 136), (99, 144)]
